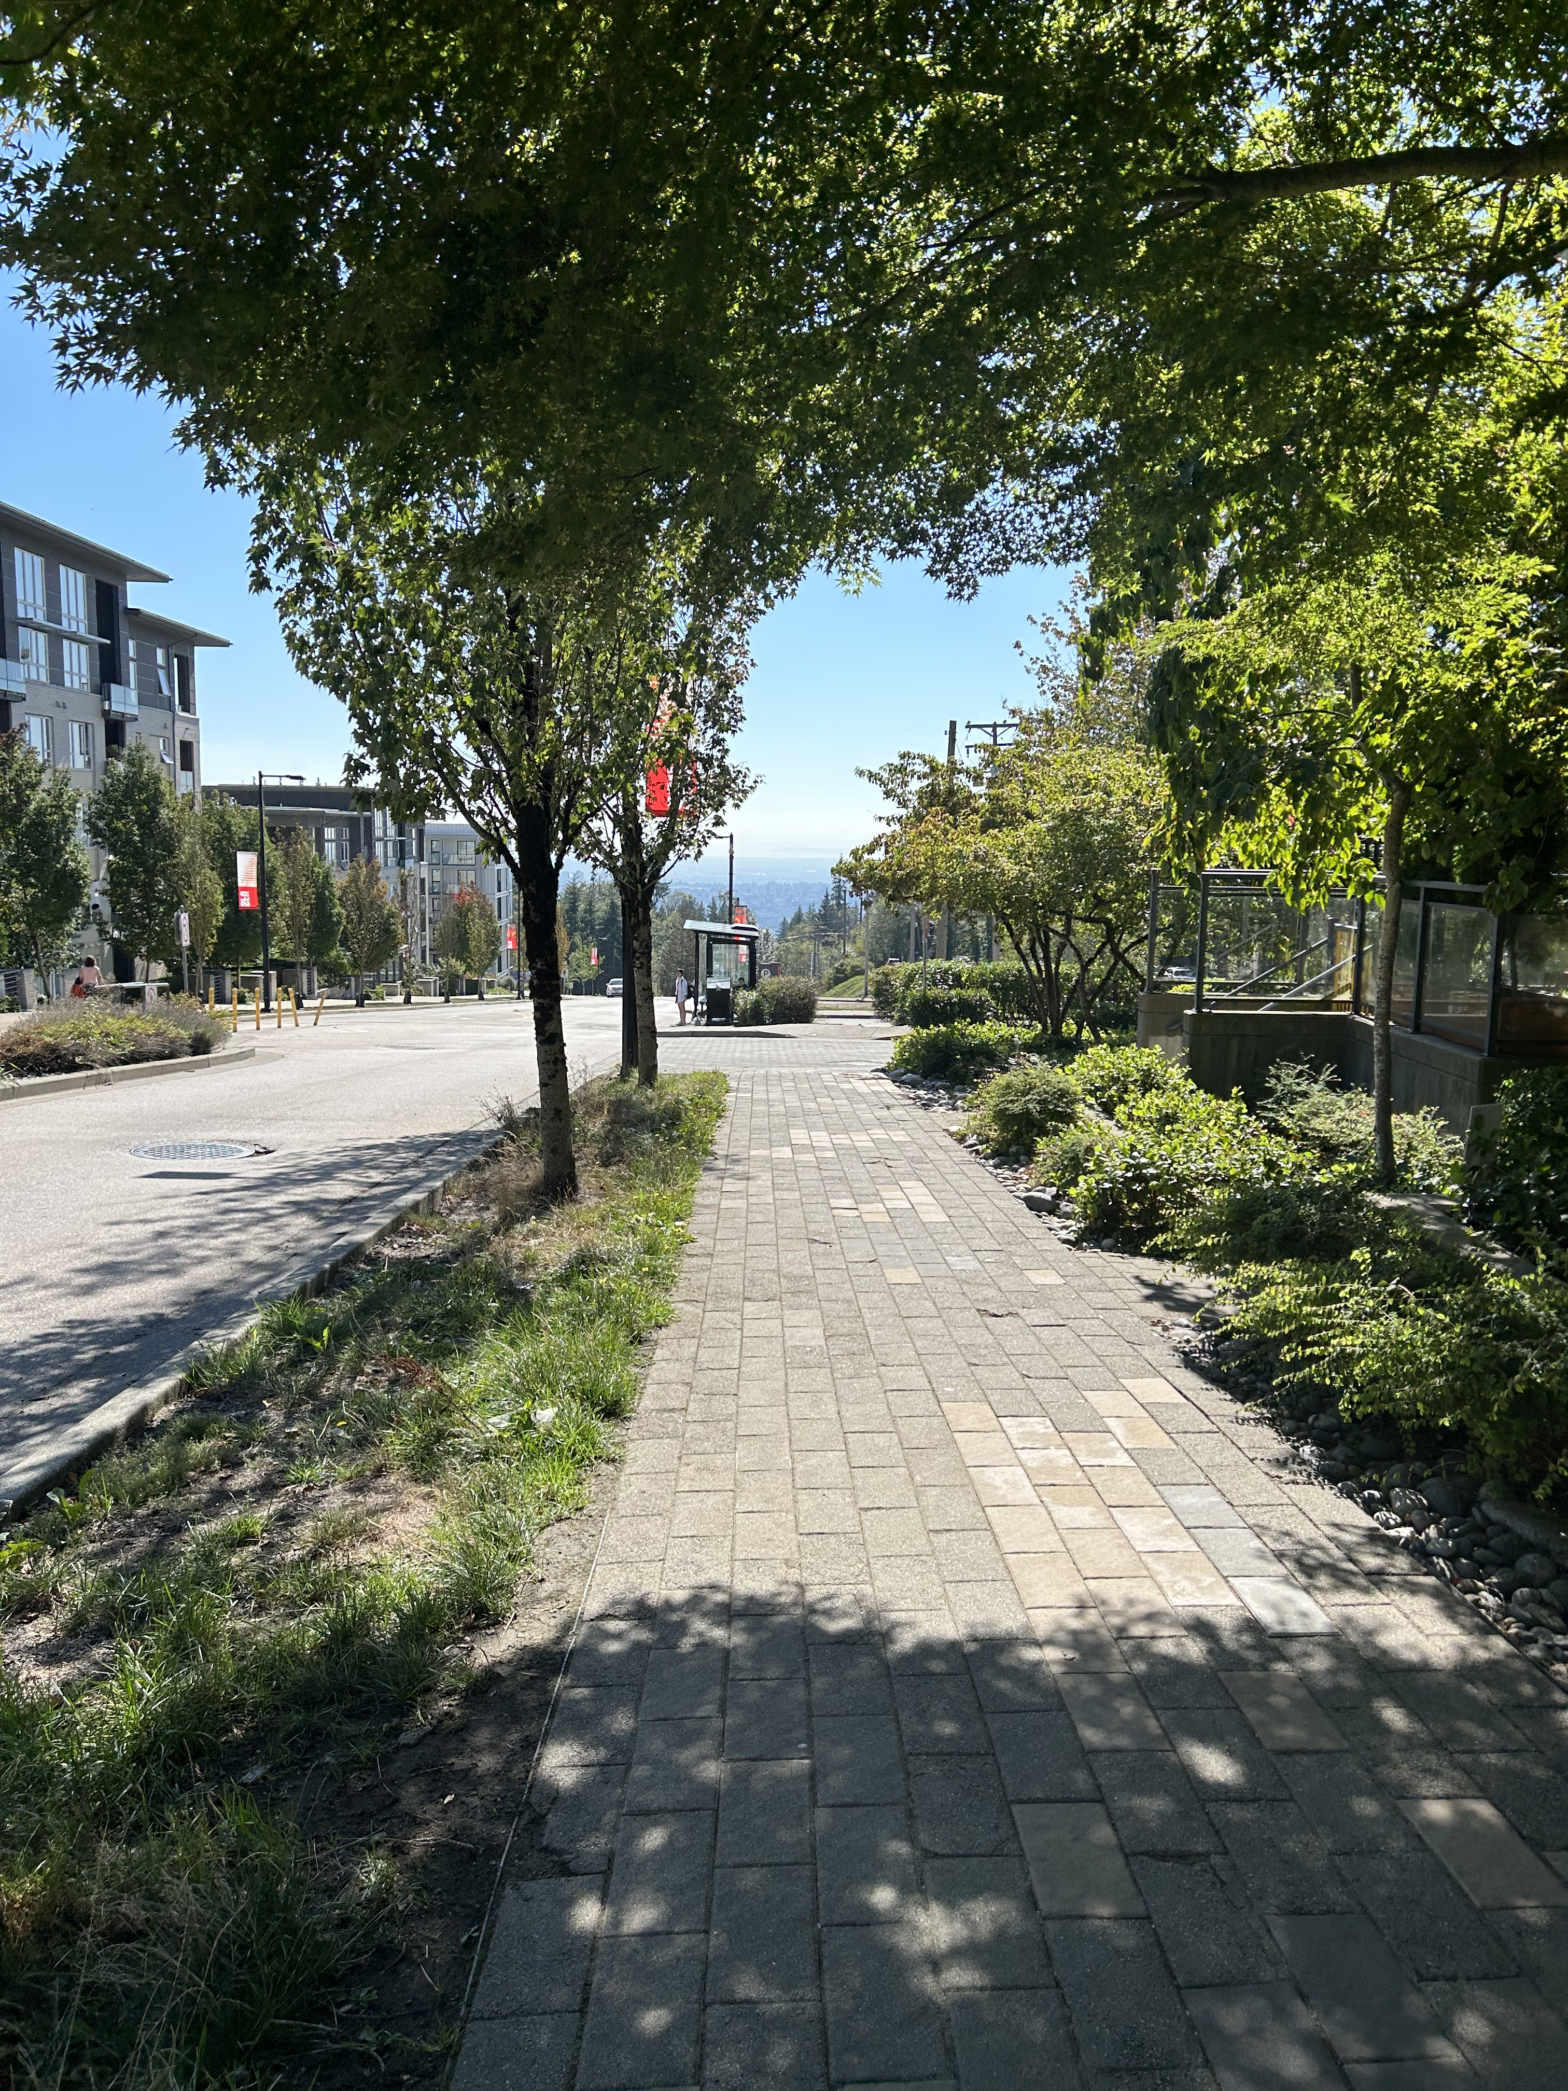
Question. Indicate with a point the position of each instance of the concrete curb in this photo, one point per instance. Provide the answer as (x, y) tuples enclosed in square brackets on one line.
[(124, 1414), (106, 1077)]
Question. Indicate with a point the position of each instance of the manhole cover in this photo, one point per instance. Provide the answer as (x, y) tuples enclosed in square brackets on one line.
[(198, 1150)]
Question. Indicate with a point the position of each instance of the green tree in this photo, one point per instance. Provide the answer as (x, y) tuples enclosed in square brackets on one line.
[(131, 816), (484, 940), (44, 879), (410, 922), (324, 947), (291, 901), (200, 889), (370, 920)]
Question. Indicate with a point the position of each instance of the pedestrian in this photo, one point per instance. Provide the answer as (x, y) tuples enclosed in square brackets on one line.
[(89, 976), (78, 989), (682, 996)]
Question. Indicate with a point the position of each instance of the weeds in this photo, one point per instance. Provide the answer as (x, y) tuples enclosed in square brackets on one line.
[(217, 1604)]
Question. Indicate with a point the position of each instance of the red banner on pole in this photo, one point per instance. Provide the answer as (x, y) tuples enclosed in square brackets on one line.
[(658, 798), (511, 936), (246, 879)]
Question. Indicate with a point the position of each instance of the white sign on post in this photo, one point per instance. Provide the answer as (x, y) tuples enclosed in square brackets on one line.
[(185, 930)]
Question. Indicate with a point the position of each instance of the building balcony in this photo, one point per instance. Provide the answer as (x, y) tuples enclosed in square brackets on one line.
[(13, 676), (120, 701)]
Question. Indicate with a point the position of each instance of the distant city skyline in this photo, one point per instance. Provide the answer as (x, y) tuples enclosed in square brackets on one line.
[(840, 682)]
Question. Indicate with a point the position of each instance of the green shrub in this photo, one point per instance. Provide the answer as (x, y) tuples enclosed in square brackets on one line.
[(785, 1000), (1005, 986), (885, 990), (1178, 1146), (957, 1052), (1436, 1341), (97, 1032), (926, 1007), (1013, 1110), (1310, 1107), (1516, 1182), (1110, 1077)]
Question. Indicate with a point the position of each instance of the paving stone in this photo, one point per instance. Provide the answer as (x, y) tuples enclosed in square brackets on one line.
[(1527, 1790), (1281, 1606), (858, 1760), (1152, 1803), (592, 1727), (766, 1718), (1125, 2010), (1040, 1757), (1456, 2075), (940, 1715), (1111, 1713), (779, 2045), (764, 1813), (850, 1680), (518, 2054), (676, 1765), (879, 1994), (1365, 2003), (1346, 1807), (537, 1958), (659, 1881), (766, 1646), (1201, 1916), (1537, 1940), (1076, 1865), (1434, 1928), (1282, 1712), (1283, 1861), (1176, 1672), (1506, 2031), (1486, 1855), (581, 1804), (1012, 1675), (1006, 2039), (1457, 1712), (984, 1926), (1222, 1756), (960, 1809), (1260, 2037), (763, 1943), (865, 1865), (644, 2013)]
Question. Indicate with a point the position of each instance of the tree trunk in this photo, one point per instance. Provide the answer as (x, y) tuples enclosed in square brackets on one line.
[(640, 925), (1383, 997), (628, 1000), (538, 885)]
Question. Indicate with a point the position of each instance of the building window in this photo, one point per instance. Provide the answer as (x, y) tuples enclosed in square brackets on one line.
[(34, 649), (165, 674), (73, 599), (31, 600), (35, 731), (76, 662), (163, 749), (188, 756), (184, 684), (81, 733)]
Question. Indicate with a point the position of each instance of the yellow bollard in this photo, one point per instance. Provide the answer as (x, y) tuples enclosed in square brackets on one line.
[(320, 1006), (210, 1009), (294, 1005), (281, 992), (236, 1009), (258, 1009)]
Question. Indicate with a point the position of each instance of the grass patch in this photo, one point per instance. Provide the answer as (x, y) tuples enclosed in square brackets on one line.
[(288, 1570)]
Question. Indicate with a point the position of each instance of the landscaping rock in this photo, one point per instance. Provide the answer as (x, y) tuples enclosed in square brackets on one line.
[(1040, 1201), (1536, 1568)]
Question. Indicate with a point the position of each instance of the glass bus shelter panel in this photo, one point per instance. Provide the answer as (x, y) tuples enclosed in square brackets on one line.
[(1456, 982), (1532, 1000), (1175, 938), (727, 965)]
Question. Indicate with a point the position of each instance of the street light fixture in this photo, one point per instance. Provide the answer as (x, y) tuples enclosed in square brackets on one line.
[(263, 778)]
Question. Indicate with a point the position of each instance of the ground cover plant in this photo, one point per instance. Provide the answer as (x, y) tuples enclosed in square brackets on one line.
[(287, 1580), (96, 1032), (960, 1052)]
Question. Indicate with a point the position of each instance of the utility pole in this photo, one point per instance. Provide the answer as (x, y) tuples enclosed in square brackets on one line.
[(995, 728), (732, 879)]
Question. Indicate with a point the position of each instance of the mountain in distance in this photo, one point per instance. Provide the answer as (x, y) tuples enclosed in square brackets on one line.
[(772, 887)]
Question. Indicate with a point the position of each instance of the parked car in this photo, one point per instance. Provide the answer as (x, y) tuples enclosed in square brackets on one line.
[(613, 987)]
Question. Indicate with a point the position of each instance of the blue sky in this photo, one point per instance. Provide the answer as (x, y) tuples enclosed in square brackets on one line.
[(840, 682)]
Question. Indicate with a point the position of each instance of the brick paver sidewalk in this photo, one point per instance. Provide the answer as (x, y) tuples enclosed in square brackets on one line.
[(964, 1699)]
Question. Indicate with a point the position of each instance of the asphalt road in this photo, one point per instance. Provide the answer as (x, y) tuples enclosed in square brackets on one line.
[(110, 1265)]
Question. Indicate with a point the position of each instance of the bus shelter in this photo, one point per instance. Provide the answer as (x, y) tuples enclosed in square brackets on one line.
[(723, 961)]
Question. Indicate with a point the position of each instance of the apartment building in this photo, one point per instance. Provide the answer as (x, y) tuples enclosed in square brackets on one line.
[(343, 824), (85, 672), (457, 860)]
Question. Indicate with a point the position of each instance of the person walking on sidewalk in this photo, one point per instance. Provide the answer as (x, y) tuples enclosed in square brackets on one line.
[(682, 996)]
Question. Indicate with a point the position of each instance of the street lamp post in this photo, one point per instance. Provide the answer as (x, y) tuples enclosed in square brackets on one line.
[(277, 777)]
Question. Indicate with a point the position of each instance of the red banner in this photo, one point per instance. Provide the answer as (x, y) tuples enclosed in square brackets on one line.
[(245, 878), (658, 800)]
